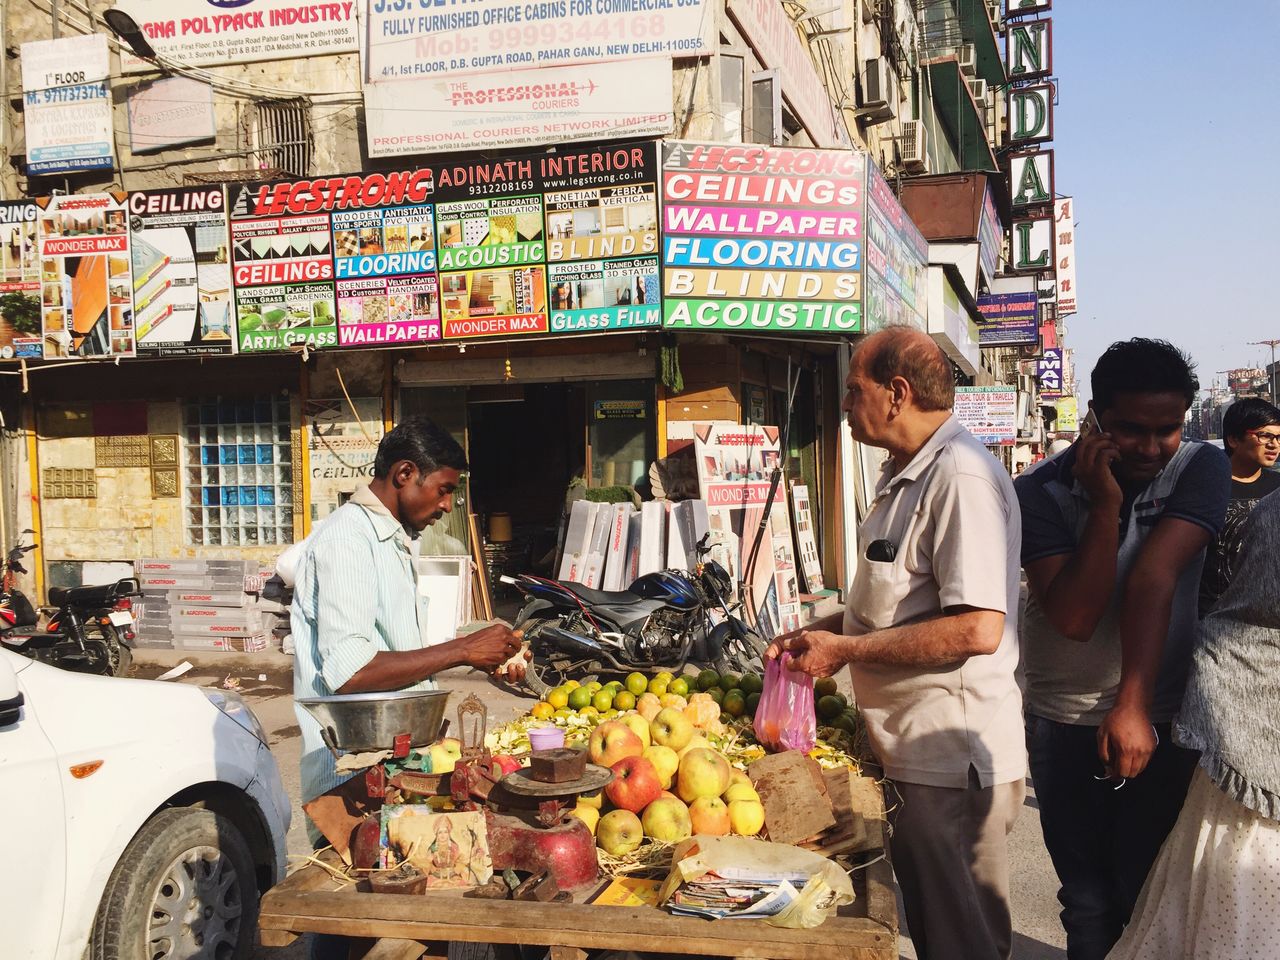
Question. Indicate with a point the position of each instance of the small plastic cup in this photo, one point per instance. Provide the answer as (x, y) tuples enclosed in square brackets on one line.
[(546, 738)]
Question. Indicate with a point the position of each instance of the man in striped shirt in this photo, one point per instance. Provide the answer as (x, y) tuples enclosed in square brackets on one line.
[(357, 615)]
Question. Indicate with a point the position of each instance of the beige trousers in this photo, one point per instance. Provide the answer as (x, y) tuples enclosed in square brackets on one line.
[(950, 856)]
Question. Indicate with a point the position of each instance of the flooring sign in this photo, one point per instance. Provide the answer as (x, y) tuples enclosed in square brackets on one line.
[(762, 238), (86, 280), (182, 299)]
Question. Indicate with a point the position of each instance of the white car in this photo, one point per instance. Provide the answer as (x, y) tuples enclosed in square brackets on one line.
[(140, 819)]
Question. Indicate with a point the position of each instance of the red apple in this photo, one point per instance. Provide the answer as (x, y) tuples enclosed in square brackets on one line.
[(611, 741), (507, 764), (635, 784)]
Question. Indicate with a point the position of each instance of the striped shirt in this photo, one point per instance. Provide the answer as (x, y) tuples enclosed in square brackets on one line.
[(356, 595)]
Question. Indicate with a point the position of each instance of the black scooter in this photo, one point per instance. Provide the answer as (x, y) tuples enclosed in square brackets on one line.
[(90, 632)]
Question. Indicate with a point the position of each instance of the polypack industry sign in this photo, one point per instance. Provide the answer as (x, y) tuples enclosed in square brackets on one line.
[(202, 32)]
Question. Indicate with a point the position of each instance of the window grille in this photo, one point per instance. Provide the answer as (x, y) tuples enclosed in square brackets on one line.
[(282, 136)]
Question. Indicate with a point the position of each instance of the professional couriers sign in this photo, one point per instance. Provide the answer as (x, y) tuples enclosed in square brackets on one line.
[(762, 238)]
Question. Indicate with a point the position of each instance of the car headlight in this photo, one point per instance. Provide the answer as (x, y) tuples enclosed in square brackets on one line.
[(233, 705)]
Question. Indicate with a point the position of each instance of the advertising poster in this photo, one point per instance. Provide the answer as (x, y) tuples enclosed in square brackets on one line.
[(414, 41), (86, 280), (989, 413), (66, 104), (182, 300), (1009, 319), (1065, 244), (385, 265), (762, 238), (19, 281), (491, 249), (602, 251), (341, 446), (810, 559), (202, 32), (734, 466), (282, 266), (1068, 415), (516, 108), (896, 279)]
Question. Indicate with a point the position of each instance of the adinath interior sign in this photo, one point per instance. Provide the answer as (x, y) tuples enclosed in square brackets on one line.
[(765, 239)]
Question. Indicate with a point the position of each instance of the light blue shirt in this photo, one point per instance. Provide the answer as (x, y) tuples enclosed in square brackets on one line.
[(355, 595)]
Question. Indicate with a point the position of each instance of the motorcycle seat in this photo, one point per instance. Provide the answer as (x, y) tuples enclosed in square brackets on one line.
[(602, 598), (99, 595)]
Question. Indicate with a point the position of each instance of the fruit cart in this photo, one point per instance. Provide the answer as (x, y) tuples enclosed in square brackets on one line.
[(537, 828), (406, 927)]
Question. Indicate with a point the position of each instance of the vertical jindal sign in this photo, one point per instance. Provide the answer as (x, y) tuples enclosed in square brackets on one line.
[(762, 238)]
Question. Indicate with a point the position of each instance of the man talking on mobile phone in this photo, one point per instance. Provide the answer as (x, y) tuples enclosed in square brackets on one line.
[(930, 638), (1114, 531)]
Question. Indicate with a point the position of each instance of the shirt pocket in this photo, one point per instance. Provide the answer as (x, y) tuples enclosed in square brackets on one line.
[(879, 587)]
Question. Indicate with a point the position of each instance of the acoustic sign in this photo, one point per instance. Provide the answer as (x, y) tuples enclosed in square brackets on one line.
[(19, 281), (86, 279), (762, 238), (182, 297)]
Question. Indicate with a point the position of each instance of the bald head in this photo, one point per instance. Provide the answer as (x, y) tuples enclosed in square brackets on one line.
[(907, 353)]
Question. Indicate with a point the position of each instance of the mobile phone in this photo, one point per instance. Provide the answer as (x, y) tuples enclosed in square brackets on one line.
[(1090, 424)]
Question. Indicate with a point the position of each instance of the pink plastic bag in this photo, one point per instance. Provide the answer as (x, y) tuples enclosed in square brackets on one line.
[(784, 717)]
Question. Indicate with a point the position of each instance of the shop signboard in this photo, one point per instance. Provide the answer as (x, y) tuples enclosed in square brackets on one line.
[(518, 108), (1068, 415), (86, 280), (762, 238), (989, 413), (19, 281), (208, 32), (896, 278), (66, 104), (182, 300), (282, 266), (169, 112), (602, 246), (1009, 319), (489, 35), (1049, 373), (384, 258), (735, 463), (1065, 249), (989, 235), (492, 253)]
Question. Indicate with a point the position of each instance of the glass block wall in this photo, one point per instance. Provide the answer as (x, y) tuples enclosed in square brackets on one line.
[(238, 472)]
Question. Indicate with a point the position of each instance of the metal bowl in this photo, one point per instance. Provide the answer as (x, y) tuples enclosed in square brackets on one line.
[(361, 722)]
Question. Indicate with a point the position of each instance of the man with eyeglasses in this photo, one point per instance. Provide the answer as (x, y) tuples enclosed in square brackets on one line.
[(1114, 532), (1251, 437)]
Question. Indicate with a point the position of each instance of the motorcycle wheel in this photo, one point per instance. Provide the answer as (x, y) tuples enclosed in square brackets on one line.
[(741, 656), (549, 668), (115, 657)]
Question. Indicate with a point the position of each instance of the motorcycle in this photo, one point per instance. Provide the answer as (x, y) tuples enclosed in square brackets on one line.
[(89, 631), (664, 620)]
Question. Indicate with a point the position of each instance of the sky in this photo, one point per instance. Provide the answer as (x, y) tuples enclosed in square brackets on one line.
[(1167, 133)]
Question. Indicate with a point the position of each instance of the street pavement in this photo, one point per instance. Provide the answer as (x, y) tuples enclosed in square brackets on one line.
[(266, 682)]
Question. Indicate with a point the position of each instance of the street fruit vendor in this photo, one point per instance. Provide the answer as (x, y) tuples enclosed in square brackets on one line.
[(356, 610)]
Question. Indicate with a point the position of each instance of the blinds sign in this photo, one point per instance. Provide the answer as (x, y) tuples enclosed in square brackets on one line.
[(758, 238)]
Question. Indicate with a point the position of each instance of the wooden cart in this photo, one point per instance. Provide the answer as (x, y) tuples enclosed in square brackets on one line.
[(409, 927)]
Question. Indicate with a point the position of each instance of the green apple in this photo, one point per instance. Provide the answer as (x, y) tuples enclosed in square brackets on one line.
[(740, 791), (619, 832), (702, 773), (671, 728), (667, 819), (639, 726), (445, 754), (665, 761)]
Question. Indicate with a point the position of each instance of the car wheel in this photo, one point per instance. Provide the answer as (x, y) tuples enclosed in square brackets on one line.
[(184, 888)]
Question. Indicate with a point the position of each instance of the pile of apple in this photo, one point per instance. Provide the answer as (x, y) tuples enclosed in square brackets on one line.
[(669, 782)]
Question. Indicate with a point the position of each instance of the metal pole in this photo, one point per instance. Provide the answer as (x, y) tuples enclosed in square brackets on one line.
[(53, 13)]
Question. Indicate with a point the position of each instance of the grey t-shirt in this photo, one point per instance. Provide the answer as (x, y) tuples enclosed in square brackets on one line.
[(1073, 682)]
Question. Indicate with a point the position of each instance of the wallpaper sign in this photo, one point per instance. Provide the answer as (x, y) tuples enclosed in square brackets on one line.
[(762, 239)]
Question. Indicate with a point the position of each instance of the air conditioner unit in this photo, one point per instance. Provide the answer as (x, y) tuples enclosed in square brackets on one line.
[(979, 90), (968, 58), (877, 83), (869, 8), (913, 146)]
